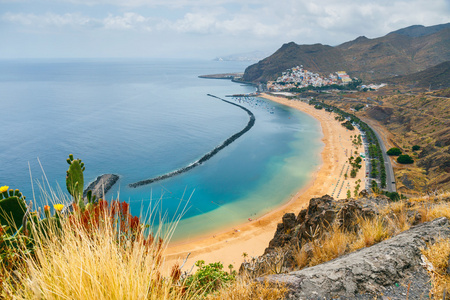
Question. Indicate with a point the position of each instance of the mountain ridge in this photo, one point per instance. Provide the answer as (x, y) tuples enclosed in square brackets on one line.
[(401, 52)]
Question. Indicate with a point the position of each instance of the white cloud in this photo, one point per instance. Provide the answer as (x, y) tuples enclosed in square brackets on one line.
[(211, 25), (127, 21), (48, 19), (196, 23)]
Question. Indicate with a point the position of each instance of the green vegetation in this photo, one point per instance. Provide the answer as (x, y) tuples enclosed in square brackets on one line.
[(208, 278), (358, 107), (375, 153), (98, 250), (357, 140), (356, 165), (348, 125), (394, 152), (12, 208), (405, 159), (75, 180), (415, 147)]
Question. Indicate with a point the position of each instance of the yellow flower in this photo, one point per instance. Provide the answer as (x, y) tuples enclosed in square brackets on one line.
[(58, 207), (4, 188)]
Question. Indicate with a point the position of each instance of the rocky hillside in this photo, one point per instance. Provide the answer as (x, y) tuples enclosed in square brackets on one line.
[(356, 248), (423, 120), (436, 77), (401, 52)]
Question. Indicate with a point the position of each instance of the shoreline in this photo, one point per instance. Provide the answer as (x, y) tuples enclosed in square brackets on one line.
[(253, 237)]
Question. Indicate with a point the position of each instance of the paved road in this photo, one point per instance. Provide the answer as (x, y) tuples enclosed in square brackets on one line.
[(390, 179)]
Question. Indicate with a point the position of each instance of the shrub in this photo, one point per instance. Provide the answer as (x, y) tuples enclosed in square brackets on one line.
[(208, 278), (394, 151), (348, 125), (405, 159), (415, 147)]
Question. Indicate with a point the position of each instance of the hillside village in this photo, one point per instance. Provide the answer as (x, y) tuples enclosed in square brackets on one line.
[(298, 77)]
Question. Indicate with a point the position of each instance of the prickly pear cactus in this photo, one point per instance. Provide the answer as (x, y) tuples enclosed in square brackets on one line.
[(90, 197), (12, 208), (75, 179)]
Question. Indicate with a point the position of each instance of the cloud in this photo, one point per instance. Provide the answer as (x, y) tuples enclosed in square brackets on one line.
[(261, 19), (48, 20), (127, 21), (205, 25)]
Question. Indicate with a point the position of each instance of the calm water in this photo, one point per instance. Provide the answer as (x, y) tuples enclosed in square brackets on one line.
[(143, 118)]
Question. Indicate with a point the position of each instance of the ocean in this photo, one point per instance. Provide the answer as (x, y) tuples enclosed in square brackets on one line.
[(142, 118)]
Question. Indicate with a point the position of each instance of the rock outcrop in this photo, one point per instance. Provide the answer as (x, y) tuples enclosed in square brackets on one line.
[(319, 215), (101, 185), (367, 270)]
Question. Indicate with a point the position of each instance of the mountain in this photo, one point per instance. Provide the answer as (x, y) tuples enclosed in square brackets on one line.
[(401, 52), (420, 30), (436, 77)]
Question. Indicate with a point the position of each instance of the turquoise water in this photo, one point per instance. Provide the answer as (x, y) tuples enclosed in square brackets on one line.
[(143, 118)]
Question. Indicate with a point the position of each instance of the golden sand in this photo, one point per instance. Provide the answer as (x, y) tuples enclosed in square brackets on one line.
[(253, 237)]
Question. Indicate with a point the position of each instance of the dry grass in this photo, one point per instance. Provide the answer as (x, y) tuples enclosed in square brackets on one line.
[(438, 255), (431, 212), (396, 215), (394, 218), (246, 289), (72, 263), (372, 231), (331, 245), (301, 257)]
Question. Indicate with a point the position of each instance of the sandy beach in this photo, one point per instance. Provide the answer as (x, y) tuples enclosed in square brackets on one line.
[(253, 237)]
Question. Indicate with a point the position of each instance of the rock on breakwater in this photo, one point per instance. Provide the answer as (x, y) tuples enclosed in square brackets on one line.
[(208, 155)]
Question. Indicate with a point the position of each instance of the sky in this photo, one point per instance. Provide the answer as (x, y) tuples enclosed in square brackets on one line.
[(197, 28)]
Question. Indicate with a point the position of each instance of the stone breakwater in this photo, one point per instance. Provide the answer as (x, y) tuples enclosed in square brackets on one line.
[(101, 185), (208, 155)]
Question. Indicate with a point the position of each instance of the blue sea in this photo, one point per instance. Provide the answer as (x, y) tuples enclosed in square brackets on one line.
[(143, 118)]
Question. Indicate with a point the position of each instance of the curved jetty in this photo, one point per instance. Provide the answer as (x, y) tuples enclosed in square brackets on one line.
[(208, 155), (101, 185)]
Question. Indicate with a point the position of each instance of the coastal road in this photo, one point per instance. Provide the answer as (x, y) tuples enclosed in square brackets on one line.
[(390, 178)]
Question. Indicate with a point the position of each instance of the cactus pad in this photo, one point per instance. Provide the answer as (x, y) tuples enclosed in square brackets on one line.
[(75, 178), (12, 209)]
